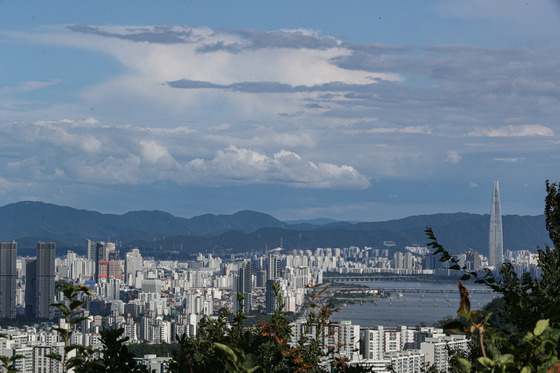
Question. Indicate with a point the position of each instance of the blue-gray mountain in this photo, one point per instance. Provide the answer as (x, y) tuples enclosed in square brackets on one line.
[(164, 234)]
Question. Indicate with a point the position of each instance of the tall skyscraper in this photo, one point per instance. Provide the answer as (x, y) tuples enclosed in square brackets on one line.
[(496, 240), (8, 276), (273, 272), (39, 282), (243, 284)]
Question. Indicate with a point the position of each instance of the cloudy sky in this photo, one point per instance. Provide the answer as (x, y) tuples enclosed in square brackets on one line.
[(355, 110)]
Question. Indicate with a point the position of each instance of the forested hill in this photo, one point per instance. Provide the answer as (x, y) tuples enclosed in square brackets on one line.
[(29, 222)]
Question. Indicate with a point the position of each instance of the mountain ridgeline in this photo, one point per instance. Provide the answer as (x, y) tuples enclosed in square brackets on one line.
[(164, 235)]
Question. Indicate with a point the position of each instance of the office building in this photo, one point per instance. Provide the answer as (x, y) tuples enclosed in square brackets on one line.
[(496, 240), (8, 277)]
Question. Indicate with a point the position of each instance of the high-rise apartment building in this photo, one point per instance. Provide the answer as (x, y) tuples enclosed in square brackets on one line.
[(8, 277), (473, 260), (273, 273), (99, 251), (39, 285), (132, 264), (243, 284), (496, 240), (46, 253)]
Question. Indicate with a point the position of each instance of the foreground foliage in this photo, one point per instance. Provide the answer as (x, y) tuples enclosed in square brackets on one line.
[(266, 347)]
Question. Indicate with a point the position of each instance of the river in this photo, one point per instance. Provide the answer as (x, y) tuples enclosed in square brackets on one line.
[(409, 308)]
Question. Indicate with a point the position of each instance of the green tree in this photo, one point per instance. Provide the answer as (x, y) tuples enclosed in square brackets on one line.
[(200, 354), (115, 356), (73, 294), (272, 339)]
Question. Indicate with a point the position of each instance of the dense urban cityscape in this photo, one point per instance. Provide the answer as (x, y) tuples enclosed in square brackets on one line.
[(279, 186), (157, 301)]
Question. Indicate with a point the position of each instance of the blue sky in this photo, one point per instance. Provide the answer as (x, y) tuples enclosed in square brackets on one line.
[(355, 110)]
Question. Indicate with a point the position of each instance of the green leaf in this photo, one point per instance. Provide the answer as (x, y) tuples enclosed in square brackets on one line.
[(465, 277), (75, 304), (65, 311), (56, 357), (541, 326), (506, 358), (485, 361), (233, 356), (526, 369), (467, 366)]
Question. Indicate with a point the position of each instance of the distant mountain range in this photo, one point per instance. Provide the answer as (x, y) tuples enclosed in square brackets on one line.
[(161, 234)]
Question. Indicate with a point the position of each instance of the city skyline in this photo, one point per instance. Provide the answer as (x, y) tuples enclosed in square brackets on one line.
[(352, 111)]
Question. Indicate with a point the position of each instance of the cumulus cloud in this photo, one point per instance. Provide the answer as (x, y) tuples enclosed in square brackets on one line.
[(155, 153), (89, 151), (239, 165)]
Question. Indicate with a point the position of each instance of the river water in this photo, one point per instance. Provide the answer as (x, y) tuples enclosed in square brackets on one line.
[(407, 307)]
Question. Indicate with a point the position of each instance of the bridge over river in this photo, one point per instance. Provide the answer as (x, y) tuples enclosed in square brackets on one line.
[(365, 278), (387, 284)]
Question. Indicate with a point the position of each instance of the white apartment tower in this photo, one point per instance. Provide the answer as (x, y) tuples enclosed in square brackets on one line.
[(132, 264)]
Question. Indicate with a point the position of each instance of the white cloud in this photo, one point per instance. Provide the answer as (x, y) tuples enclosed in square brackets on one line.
[(153, 55), (453, 157), (155, 153), (110, 170), (242, 166), (290, 107), (6, 185), (509, 160), (473, 185), (28, 86), (382, 130), (220, 127), (514, 131), (89, 151)]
